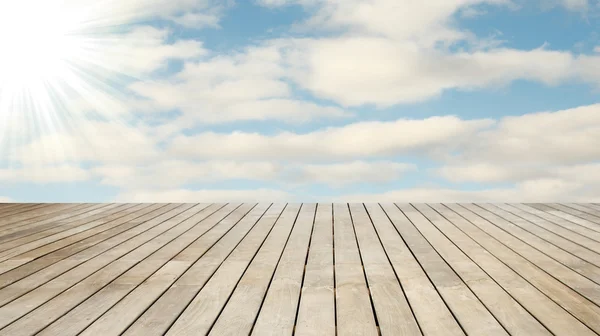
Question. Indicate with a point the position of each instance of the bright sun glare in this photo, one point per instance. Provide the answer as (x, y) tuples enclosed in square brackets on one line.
[(58, 59), (38, 41)]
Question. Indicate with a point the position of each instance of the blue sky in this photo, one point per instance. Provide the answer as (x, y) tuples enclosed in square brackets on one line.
[(300, 100)]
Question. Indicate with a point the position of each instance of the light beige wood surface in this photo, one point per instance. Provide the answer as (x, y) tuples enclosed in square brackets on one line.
[(299, 269)]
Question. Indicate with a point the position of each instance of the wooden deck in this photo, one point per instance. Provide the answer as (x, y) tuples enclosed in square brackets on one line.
[(299, 269)]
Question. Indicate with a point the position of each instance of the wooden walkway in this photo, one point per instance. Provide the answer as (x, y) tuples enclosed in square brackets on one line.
[(299, 269)]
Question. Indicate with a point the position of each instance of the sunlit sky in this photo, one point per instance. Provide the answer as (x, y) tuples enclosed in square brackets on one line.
[(299, 100)]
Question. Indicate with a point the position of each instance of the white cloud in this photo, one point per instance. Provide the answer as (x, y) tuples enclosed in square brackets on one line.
[(197, 20), (4, 199), (561, 137), (144, 50), (367, 70), (574, 5), (533, 191), (170, 174), (398, 19), (386, 52), (44, 174), (358, 140), (213, 196), (90, 141), (118, 12), (244, 86), (173, 174), (485, 172), (352, 172)]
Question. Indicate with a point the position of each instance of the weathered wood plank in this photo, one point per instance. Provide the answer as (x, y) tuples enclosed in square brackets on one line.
[(238, 316), (146, 242), (579, 306), (316, 314), (544, 223), (112, 309), (355, 315), (423, 239), (198, 317), (433, 316), (278, 312), (29, 226), (547, 235), (566, 275), (394, 315), (565, 220), (204, 259), (62, 260), (590, 221)]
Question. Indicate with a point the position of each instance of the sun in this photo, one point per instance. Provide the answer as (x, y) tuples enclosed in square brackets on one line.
[(60, 64), (38, 40)]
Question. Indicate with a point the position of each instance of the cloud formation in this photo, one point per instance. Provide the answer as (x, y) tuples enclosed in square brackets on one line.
[(161, 112)]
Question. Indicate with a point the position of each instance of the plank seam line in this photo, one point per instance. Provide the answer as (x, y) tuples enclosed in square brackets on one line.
[(35, 224), (527, 259), (70, 255), (67, 229), (211, 275), (312, 229), (495, 212), (219, 239), (246, 269), (421, 266), (535, 248), (516, 212), (135, 264), (275, 270), (393, 269), (335, 320), (363, 269), (585, 212), (90, 258), (557, 218), (517, 273), (55, 241), (66, 289)]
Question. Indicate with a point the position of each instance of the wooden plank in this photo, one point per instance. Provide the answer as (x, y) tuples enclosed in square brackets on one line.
[(574, 237), (423, 240), (277, 315), (202, 311), (514, 316), (146, 242), (579, 306), (90, 307), (8, 217), (6, 206), (547, 235), (57, 262), (589, 209), (36, 253), (594, 206), (355, 315), (562, 272), (316, 313), (238, 316), (433, 316), (161, 315), (29, 226), (19, 246), (557, 218), (591, 221), (394, 315), (30, 213)]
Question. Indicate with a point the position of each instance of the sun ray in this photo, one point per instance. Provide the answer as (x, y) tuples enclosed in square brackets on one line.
[(61, 61)]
